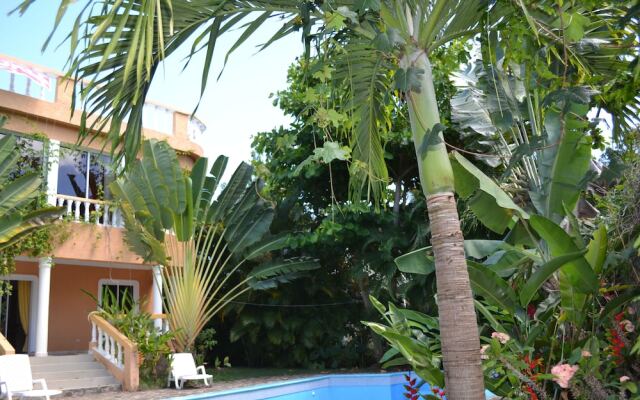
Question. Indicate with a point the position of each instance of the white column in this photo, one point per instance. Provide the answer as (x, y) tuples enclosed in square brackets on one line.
[(42, 323), (53, 159), (33, 315), (157, 295)]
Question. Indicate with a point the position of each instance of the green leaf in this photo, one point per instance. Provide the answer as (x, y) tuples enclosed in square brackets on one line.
[(578, 272), (597, 249), (281, 267), (495, 325), (619, 301), (365, 72), (266, 245), (362, 5), (389, 354), (478, 249), (574, 25), (15, 226), (543, 273), (332, 151), (416, 262), (19, 192), (409, 79), (378, 305), (493, 207), (495, 290), (8, 155), (564, 162), (576, 277), (334, 21)]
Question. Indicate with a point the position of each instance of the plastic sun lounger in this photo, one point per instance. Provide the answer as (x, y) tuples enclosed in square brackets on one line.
[(183, 368), (16, 379)]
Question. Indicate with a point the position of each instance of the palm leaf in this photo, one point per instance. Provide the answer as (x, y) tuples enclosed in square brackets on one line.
[(366, 74)]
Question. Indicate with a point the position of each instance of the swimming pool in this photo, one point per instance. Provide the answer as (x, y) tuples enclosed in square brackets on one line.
[(326, 387)]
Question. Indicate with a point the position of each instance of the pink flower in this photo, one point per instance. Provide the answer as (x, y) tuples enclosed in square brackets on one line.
[(502, 337), (563, 373), (624, 378), (586, 353), (627, 325), (483, 352)]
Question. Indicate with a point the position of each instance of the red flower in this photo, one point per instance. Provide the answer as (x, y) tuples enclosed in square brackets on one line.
[(531, 311), (532, 393)]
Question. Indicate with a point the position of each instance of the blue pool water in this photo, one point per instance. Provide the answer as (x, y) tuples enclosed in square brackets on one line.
[(326, 387)]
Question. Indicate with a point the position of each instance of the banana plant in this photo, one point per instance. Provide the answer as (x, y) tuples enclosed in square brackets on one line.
[(15, 196), (214, 246)]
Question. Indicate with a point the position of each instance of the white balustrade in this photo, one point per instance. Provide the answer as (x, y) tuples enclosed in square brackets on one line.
[(157, 118), (24, 85), (195, 129), (107, 346), (90, 211)]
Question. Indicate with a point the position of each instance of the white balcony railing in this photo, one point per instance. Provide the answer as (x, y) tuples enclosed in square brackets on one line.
[(27, 80), (90, 211), (196, 128), (157, 118)]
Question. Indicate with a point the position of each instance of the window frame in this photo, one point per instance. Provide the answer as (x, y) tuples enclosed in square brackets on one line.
[(90, 154), (120, 282)]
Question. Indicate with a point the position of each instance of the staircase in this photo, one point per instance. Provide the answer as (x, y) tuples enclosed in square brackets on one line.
[(76, 374)]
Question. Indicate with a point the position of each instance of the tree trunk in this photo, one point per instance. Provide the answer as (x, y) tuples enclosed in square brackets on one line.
[(458, 324)]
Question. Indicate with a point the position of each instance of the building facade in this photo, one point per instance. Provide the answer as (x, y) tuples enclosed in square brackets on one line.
[(47, 310)]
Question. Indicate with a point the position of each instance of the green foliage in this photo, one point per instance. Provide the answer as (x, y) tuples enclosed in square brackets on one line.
[(25, 221), (201, 238), (16, 195), (557, 289), (205, 343), (493, 207), (414, 337), (355, 244)]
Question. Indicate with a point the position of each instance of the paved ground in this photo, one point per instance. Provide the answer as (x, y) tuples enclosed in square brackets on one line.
[(169, 393)]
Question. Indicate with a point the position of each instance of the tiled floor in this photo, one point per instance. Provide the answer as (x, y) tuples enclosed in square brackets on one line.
[(169, 393)]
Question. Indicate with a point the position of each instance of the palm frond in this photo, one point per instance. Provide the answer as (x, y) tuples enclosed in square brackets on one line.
[(366, 73), (122, 43)]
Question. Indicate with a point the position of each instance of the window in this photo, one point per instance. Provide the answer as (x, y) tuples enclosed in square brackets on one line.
[(84, 174), (118, 293)]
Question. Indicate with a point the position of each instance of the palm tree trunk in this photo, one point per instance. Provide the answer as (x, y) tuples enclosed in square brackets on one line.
[(458, 325)]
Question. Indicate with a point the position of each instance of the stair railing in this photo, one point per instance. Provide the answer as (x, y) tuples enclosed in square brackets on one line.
[(115, 351)]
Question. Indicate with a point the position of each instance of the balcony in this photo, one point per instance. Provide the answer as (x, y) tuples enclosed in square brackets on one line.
[(45, 95), (99, 212)]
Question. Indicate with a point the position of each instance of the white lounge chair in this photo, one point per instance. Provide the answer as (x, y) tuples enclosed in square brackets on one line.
[(16, 379), (183, 368)]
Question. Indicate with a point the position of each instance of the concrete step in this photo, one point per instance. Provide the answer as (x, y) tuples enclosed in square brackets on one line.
[(80, 366), (81, 383), (72, 374), (58, 360), (75, 375)]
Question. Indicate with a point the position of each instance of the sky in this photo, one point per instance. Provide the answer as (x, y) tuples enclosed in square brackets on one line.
[(233, 108)]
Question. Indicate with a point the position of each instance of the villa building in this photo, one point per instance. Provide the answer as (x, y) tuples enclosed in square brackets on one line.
[(46, 312)]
